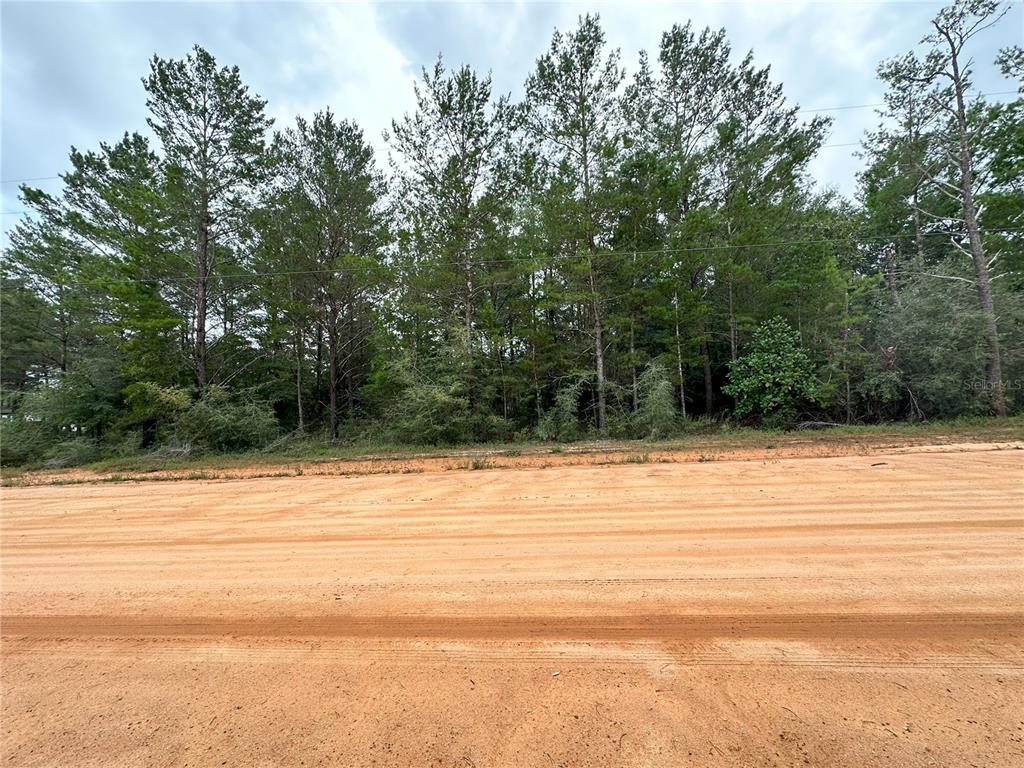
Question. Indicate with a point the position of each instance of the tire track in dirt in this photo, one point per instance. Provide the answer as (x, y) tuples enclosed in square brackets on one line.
[(989, 656), (872, 626), (762, 531), (735, 613)]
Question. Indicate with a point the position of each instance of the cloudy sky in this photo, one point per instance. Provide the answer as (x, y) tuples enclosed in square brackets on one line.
[(72, 70)]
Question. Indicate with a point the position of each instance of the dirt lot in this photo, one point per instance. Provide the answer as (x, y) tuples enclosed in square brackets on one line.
[(849, 610)]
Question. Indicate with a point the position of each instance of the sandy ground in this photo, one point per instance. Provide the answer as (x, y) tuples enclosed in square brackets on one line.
[(717, 448), (842, 611)]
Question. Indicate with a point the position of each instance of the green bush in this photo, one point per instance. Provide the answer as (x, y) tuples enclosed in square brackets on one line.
[(219, 423), (774, 376), (656, 415), (561, 421), (428, 414), (153, 409), (929, 351), (23, 440), (83, 401), (72, 453)]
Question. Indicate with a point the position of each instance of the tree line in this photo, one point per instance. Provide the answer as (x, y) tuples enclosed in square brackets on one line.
[(617, 254)]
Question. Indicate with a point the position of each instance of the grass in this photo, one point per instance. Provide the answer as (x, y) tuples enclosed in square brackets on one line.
[(708, 439), (637, 458), (629, 458), (480, 462)]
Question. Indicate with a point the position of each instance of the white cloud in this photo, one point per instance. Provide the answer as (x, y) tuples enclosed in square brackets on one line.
[(71, 70), (349, 65)]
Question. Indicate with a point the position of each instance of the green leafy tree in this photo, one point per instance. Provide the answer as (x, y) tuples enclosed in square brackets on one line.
[(775, 375), (457, 180), (674, 109)]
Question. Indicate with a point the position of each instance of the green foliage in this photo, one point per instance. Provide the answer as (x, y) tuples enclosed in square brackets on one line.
[(147, 400), (656, 415), (220, 421), (589, 259), (24, 440), (427, 414), (154, 409), (561, 422), (774, 376), (71, 453), (928, 351), (84, 401), (431, 405)]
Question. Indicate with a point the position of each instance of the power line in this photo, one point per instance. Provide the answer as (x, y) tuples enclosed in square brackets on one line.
[(251, 276), (34, 178), (882, 104)]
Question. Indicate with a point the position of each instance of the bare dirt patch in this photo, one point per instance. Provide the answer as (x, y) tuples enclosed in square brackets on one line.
[(763, 609), (745, 446)]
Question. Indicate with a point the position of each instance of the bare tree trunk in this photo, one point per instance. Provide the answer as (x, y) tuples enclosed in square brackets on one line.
[(918, 235), (632, 365), (318, 384), (350, 360), (470, 304), (915, 201), (298, 378), (679, 361), (598, 352), (709, 389), (732, 324), (499, 354), (890, 275), (227, 314), (993, 369), (332, 376), (202, 297), (533, 351), (592, 247), (64, 334), (846, 338)]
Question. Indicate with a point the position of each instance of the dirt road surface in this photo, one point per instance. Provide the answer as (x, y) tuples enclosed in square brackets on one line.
[(844, 611)]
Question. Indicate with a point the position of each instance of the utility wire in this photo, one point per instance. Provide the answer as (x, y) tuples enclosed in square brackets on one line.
[(882, 104), (34, 178)]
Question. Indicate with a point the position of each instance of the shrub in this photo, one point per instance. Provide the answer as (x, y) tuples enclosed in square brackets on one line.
[(774, 376), (430, 402), (428, 414), (153, 408), (219, 423), (561, 421), (656, 410), (72, 453), (82, 401), (23, 440)]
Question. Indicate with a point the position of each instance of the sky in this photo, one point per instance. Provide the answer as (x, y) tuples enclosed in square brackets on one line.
[(71, 71)]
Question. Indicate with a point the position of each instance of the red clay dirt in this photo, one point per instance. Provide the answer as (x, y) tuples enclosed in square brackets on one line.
[(844, 611)]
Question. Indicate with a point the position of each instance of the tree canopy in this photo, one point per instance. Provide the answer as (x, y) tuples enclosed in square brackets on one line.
[(619, 254)]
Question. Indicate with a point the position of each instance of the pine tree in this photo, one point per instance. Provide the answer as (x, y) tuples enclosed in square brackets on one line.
[(572, 98), (212, 132)]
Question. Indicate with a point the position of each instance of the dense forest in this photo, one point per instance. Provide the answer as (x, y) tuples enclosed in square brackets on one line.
[(620, 253)]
